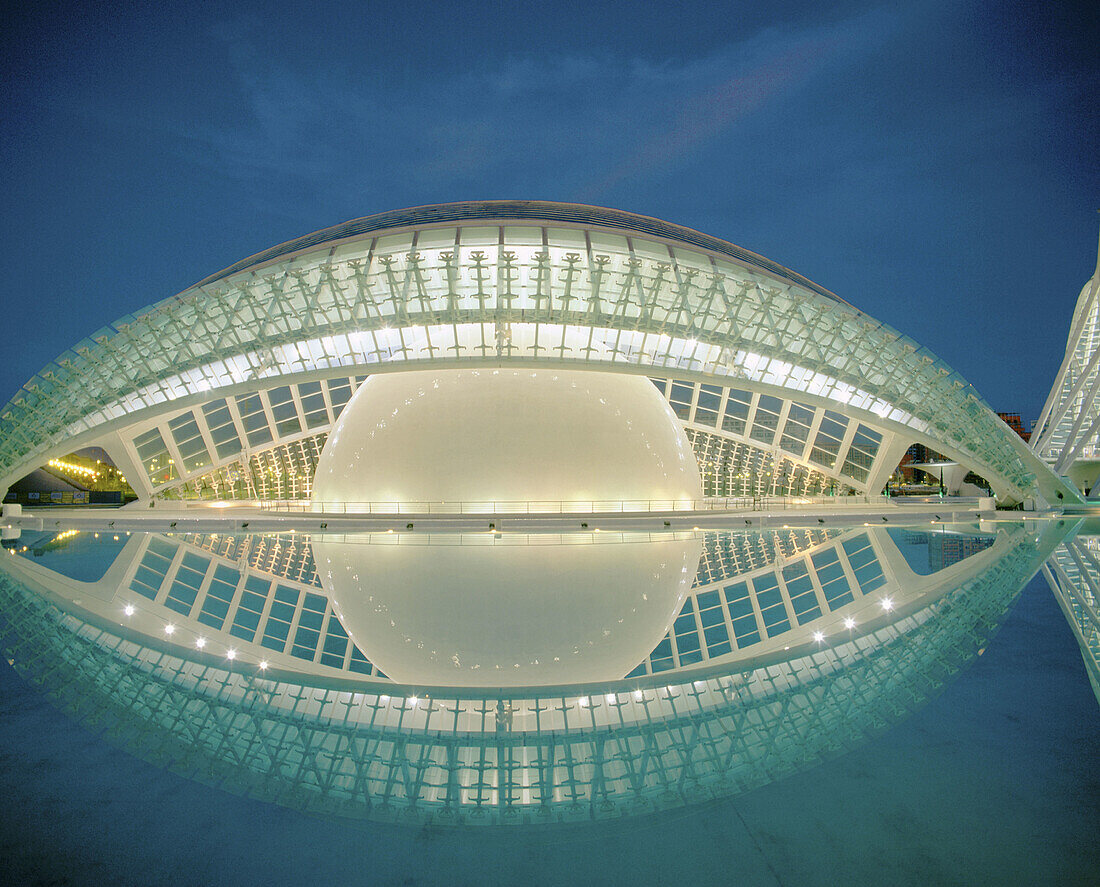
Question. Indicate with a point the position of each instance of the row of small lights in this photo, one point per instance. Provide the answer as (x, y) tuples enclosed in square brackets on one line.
[(819, 637), (73, 468), (886, 603), (200, 642), (850, 623), (68, 534)]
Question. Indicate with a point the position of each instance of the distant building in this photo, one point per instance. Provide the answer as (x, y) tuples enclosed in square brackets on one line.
[(945, 549), (1013, 421)]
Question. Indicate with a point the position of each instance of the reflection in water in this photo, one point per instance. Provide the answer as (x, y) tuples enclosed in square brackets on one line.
[(246, 679), (1073, 574), (470, 610)]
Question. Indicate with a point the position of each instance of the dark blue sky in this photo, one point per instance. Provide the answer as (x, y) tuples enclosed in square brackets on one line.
[(932, 163)]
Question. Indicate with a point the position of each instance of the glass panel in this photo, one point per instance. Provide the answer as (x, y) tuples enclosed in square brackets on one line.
[(253, 600), (745, 627), (829, 435), (339, 393), (284, 411), (800, 589), (770, 599), (864, 563), (153, 568), (313, 404), (219, 595), (737, 411), (680, 397), (153, 453), (834, 584), (189, 442), (766, 420), (254, 419), (222, 430), (796, 430)]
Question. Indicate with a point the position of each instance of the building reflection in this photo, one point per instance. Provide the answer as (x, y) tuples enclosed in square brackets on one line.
[(792, 646)]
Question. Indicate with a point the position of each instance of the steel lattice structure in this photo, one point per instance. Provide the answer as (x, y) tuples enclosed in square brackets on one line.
[(1073, 573), (1067, 434), (502, 283)]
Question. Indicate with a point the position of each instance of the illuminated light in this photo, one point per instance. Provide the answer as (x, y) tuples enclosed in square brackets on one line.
[(230, 654), (116, 538), (436, 443), (413, 700), (611, 697), (128, 609), (583, 702), (638, 695), (200, 642), (819, 636), (169, 628), (73, 468), (263, 665), (887, 604), (849, 623)]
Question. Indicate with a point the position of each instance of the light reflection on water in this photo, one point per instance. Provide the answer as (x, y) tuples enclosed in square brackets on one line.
[(791, 647)]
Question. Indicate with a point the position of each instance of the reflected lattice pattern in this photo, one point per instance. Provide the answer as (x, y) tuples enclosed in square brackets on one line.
[(500, 759)]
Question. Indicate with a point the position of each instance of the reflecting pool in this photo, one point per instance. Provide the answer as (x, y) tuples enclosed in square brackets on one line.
[(334, 674)]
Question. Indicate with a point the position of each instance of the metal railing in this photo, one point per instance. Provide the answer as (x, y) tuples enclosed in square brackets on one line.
[(592, 506)]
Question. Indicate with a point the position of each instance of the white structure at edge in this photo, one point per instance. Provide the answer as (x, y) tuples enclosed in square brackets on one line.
[(1067, 435), (593, 440)]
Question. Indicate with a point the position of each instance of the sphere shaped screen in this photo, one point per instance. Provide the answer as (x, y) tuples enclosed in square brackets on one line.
[(535, 438), (478, 611)]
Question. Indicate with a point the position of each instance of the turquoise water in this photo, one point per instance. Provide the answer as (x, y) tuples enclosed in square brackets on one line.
[(994, 781)]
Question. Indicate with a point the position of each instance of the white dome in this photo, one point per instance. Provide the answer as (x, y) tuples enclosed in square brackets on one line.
[(505, 435), (475, 611)]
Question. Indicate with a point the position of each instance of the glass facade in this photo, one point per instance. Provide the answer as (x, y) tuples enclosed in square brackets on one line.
[(646, 296)]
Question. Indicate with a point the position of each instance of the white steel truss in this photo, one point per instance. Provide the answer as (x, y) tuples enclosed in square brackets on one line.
[(1073, 574), (508, 283), (1067, 435)]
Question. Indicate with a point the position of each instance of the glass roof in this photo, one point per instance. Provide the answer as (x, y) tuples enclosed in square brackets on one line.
[(636, 295)]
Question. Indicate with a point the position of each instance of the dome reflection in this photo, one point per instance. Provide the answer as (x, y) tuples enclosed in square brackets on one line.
[(509, 611)]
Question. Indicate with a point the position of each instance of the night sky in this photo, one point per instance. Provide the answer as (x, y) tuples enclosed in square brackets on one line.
[(932, 163)]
